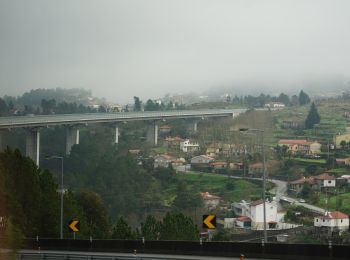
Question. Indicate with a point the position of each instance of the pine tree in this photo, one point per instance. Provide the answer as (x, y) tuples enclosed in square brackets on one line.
[(313, 117), (122, 230), (137, 104)]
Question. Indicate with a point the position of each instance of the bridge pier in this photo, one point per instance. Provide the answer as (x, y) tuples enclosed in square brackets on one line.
[(72, 138), (2, 148), (33, 145), (152, 133), (116, 134), (195, 127)]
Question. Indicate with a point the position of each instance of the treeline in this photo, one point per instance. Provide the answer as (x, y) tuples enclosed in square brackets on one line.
[(262, 99), (30, 205), (49, 101), (30, 202), (155, 105)]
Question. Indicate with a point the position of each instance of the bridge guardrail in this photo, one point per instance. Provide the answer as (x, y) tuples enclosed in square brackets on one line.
[(228, 249)]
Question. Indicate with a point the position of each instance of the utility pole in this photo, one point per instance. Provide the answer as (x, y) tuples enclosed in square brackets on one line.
[(62, 191), (264, 174)]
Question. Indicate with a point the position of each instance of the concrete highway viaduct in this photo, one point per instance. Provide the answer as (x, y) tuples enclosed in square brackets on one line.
[(73, 122)]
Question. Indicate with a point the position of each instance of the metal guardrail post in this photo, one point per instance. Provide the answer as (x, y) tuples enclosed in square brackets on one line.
[(330, 247)]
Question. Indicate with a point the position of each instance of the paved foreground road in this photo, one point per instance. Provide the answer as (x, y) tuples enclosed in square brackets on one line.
[(48, 254)]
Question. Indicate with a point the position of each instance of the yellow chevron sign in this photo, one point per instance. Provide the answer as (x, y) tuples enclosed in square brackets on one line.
[(209, 221), (74, 225)]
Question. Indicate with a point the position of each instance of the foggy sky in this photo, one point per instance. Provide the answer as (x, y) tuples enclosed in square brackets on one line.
[(148, 48)]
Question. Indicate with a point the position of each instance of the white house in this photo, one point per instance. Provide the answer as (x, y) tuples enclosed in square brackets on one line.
[(257, 214), (275, 105), (324, 180), (254, 212), (187, 146), (333, 220)]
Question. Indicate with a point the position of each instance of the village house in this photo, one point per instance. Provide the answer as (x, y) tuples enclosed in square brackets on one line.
[(297, 185), (187, 147), (218, 165), (243, 222), (173, 142), (253, 214), (347, 177), (301, 146), (317, 183), (324, 181), (275, 105), (164, 130), (201, 160), (210, 201), (339, 138), (343, 161), (256, 169), (236, 166), (163, 160), (335, 220), (212, 150)]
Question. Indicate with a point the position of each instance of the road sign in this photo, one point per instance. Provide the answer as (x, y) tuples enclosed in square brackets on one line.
[(74, 225), (209, 221)]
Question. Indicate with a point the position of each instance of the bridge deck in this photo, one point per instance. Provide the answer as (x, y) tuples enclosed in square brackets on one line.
[(71, 119)]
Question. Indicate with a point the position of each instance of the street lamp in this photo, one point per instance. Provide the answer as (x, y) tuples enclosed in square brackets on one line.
[(62, 190), (264, 173)]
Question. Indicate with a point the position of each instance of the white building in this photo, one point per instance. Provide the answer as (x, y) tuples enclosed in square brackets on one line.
[(187, 146), (255, 212), (324, 180), (333, 220), (275, 105)]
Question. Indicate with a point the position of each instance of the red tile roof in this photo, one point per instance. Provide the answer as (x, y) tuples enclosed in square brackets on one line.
[(256, 165), (324, 176), (302, 180), (244, 218), (218, 163), (334, 215), (291, 142)]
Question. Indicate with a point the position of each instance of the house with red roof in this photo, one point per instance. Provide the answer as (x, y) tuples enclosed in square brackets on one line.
[(319, 183), (334, 220), (325, 181)]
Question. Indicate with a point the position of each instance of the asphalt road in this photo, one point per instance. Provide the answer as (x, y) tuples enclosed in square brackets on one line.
[(35, 254), (280, 190)]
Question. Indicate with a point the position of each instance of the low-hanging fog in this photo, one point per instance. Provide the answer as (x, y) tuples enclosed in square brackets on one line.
[(122, 48)]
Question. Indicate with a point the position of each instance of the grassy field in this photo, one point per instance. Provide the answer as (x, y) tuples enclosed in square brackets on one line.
[(330, 202), (340, 171), (332, 120), (217, 185), (310, 161)]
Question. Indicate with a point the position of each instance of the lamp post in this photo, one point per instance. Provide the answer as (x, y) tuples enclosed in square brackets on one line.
[(62, 190), (264, 174)]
